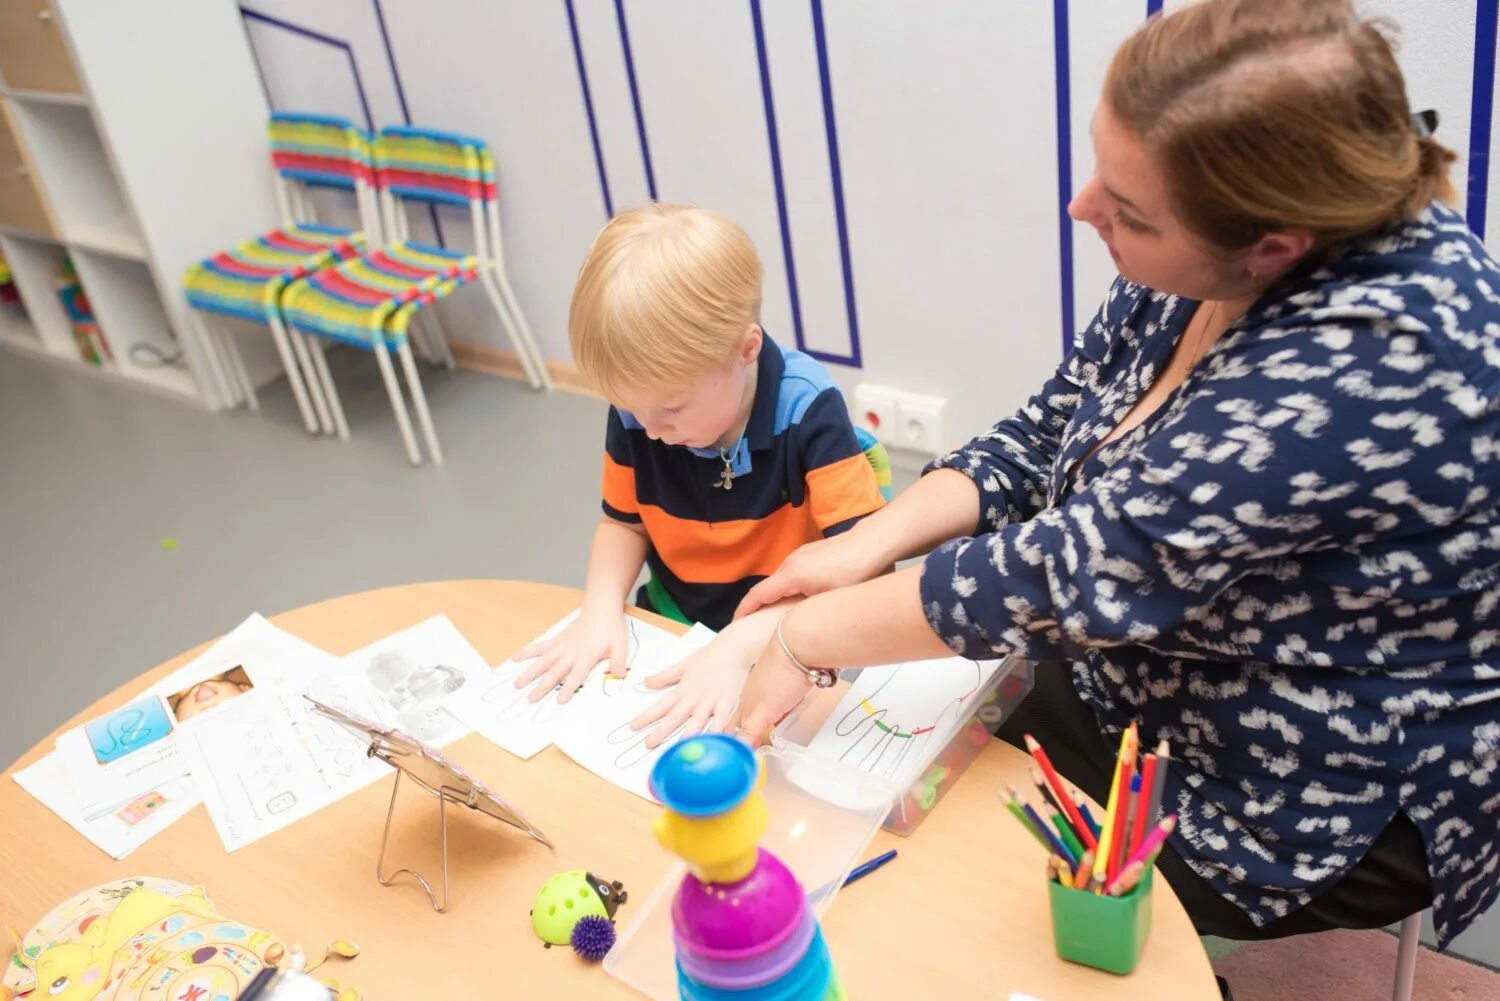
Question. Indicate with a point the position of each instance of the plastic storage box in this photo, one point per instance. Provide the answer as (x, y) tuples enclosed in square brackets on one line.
[(944, 752)]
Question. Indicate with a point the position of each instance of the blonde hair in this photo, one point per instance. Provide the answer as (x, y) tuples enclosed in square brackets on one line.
[(1276, 114), (665, 295)]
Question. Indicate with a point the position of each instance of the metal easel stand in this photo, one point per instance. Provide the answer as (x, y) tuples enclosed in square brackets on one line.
[(444, 795)]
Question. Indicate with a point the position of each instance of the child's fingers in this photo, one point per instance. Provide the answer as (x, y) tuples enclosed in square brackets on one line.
[(536, 649), (668, 726), (655, 711), (543, 665), (617, 665), (665, 678), (573, 681)]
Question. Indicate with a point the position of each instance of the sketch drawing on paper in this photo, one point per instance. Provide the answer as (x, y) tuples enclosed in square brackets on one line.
[(894, 710)]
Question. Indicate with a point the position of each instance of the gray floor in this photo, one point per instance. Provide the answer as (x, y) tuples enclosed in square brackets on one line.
[(94, 476)]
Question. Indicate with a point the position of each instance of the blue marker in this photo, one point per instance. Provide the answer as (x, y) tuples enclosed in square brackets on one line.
[(865, 868)]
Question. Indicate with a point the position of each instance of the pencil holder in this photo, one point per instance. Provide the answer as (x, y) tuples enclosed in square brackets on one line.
[(1107, 933)]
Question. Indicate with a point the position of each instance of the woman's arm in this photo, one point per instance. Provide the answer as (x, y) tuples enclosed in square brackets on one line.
[(999, 478), (1283, 449)]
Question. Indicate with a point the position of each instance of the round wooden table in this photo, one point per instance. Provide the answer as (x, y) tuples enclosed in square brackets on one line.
[(961, 913)]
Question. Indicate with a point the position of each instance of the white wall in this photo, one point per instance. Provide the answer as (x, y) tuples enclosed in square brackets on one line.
[(946, 128)]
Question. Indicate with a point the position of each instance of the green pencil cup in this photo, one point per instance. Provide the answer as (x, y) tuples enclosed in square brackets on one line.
[(1107, 933)]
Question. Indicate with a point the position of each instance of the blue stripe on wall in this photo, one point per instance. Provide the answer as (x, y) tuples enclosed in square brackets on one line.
[(588, 110), (635, 97), (1481, 110), (1153, 7), (772, 135), (819, 36), (316, 36), (1064, 166)]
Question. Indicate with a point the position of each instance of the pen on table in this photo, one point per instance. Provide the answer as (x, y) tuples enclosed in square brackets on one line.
[(865, 868)]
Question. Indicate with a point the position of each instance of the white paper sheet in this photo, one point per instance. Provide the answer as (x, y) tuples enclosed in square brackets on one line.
[(893, 718), (266, 761), (409, 674), (118, 833), (505, 714), (596, 733), (132, 750)]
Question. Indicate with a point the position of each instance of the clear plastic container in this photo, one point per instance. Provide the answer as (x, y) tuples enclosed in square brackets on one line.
[(823, 816), (944, 754)]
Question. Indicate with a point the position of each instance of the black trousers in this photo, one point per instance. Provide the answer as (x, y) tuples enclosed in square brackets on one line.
[(1388, 884)]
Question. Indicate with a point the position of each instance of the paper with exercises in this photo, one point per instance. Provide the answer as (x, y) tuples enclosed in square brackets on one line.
[(121, 831), (267, 760), (595, 729)]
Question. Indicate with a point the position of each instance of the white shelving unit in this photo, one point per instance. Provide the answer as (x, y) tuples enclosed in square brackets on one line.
[(132, 142)]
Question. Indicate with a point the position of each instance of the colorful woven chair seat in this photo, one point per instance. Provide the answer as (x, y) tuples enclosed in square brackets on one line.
[(308, 152), (369, 301), (247, 280)]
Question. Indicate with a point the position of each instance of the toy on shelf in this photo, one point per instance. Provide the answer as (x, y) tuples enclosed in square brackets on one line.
[(92, 346), (8, 294), (578, 908), (740, 919)]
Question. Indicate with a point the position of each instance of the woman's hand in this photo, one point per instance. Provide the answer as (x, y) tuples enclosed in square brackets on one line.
[(774, 688), (708, 684), (820, 566), (568, 657)]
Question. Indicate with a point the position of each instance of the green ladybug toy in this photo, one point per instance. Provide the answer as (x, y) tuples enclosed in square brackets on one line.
[(569, 896)]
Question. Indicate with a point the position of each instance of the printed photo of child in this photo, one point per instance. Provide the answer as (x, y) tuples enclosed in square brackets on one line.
[(198, 698)]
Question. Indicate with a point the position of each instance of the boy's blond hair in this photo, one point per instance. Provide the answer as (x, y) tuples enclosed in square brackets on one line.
[(665, 295)]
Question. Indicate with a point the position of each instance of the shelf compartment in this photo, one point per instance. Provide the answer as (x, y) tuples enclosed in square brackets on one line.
[(133, 319), (76, 179), (33, 52), (22, 204)]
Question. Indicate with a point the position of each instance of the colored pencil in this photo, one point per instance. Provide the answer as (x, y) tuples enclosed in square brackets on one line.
[(1144, 815), (1114, 812), (1153, 841), (1043, 789), (1064, 831), (1163, 759), (1088, 818), (1132, 807), (1070, 808), (1126, 880), (1014, 807), (1054, 842), (865, 868), (1085, 865)]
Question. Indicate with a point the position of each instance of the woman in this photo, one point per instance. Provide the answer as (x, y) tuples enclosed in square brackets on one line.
[(1254, 508)]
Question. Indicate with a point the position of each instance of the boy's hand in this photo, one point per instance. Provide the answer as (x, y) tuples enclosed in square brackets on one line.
[(707, 684), (568, 657)]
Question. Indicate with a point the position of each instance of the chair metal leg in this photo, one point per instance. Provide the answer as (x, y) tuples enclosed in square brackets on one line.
[(419, 400), (237, 362), (528, 364), (211, 358), (440, 336), (311, 377), (226, 364), (398, 405), (293, 373), (1406, 957), (320, 365), (538, 360)]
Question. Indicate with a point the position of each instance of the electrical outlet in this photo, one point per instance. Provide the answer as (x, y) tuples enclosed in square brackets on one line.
[(875, 411), (919, 423)]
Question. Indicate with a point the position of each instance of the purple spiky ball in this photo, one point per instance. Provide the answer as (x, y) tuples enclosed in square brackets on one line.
[(592, 937)]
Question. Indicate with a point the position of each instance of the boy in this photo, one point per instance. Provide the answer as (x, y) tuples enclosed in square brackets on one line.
[(724, 453)]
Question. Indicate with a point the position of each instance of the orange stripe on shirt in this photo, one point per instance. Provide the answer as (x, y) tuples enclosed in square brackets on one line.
[(842, 490), (619, 486), (722, 552)]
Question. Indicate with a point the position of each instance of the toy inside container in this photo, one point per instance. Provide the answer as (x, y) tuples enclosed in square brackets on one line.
[(822, 817), (916, 762)]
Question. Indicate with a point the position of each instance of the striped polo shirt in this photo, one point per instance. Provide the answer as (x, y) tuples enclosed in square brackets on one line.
[(799, 475)]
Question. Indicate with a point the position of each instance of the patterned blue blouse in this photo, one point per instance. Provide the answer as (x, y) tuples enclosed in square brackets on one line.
[(1289, 570)]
